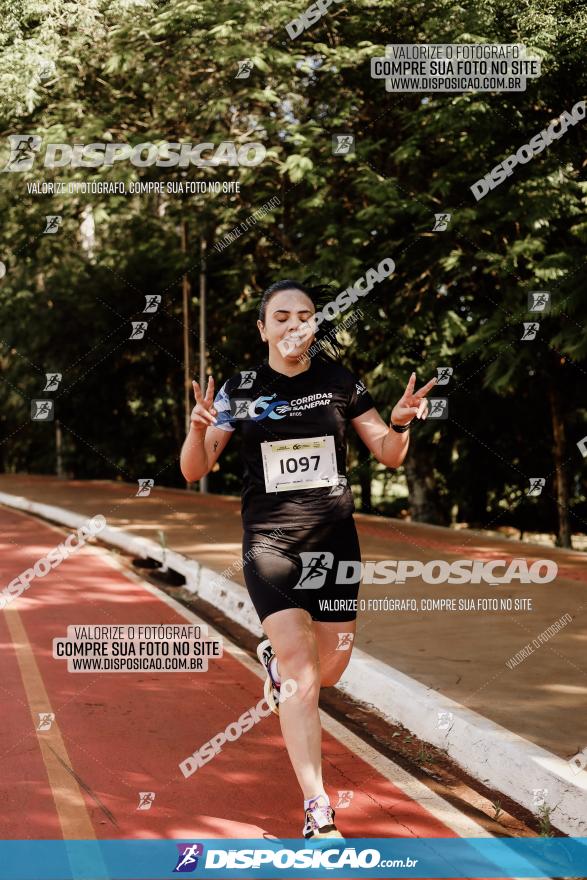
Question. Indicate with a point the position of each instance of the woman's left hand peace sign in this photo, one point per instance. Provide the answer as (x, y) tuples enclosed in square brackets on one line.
[(412, 404)]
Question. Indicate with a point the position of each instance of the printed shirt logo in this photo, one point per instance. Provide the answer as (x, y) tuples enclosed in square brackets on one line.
[(229, 409), (274, 409)]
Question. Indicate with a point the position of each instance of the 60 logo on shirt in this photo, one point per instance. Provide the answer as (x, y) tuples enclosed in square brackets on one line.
[(261, 408)]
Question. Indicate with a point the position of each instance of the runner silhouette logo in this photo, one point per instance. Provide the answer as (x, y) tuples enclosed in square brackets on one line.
[(315, 567), (42, 410), (46, 719), (146, 799), (152, 303), (247, 377), (244, 69), (239, 408), (539, 301), (23, 150), (531, 328), (188, 855), (52, 224), (344, 799), (52, 381)]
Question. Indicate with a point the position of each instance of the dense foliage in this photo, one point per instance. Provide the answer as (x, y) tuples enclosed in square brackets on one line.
[(132, 72)]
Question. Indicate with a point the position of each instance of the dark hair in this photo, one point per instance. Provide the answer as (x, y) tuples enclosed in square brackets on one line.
[(320, 294)]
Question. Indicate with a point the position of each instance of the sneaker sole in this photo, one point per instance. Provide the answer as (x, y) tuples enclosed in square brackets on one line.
[(260, 648), (268, 686), (270, 695), (321, 836)]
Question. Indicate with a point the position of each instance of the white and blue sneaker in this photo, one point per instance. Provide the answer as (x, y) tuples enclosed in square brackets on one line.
[(266, 654), (319, 824)]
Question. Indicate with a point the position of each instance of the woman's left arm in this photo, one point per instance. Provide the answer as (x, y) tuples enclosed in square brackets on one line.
[(388, 446)]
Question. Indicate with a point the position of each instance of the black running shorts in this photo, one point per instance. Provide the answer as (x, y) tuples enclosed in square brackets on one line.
[(304, 568)]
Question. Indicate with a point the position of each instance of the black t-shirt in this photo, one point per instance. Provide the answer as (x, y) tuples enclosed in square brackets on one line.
[(271, 408)]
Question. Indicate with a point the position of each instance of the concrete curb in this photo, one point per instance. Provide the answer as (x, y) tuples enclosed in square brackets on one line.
[(498, 758)]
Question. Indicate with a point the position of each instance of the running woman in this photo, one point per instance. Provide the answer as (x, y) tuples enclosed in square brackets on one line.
[(297, 509)]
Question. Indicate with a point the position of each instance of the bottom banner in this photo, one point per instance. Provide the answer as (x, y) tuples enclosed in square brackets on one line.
[(273, 858)]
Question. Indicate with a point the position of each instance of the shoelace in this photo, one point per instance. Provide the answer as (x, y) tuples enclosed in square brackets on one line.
[(319, 814)]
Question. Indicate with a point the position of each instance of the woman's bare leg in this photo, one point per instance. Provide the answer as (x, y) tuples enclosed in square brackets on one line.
[(335, 645), (313, 654), (293, 639)]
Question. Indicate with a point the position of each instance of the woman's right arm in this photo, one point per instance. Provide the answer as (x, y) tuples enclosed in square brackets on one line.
[(204, 442)]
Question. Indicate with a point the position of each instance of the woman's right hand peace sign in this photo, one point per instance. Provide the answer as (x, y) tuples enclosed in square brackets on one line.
[(203, 414)]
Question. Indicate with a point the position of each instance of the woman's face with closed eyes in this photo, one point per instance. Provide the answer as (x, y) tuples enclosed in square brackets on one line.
[(288, 327)]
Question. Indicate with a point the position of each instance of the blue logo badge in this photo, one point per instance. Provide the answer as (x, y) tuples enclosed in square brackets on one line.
[(188, 855), (277, 409)]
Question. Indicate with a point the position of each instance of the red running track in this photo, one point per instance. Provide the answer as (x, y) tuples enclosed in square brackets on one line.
[(118, 734)]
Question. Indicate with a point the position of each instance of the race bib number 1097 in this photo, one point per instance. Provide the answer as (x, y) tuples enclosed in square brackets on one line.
[(307, 463)]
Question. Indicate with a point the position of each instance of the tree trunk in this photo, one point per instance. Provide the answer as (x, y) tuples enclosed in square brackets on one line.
[(561, 481), (364, 477), (426, 505), (474, 471)]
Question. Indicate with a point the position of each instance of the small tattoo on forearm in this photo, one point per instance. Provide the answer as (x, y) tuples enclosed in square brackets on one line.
[(215, 445)]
